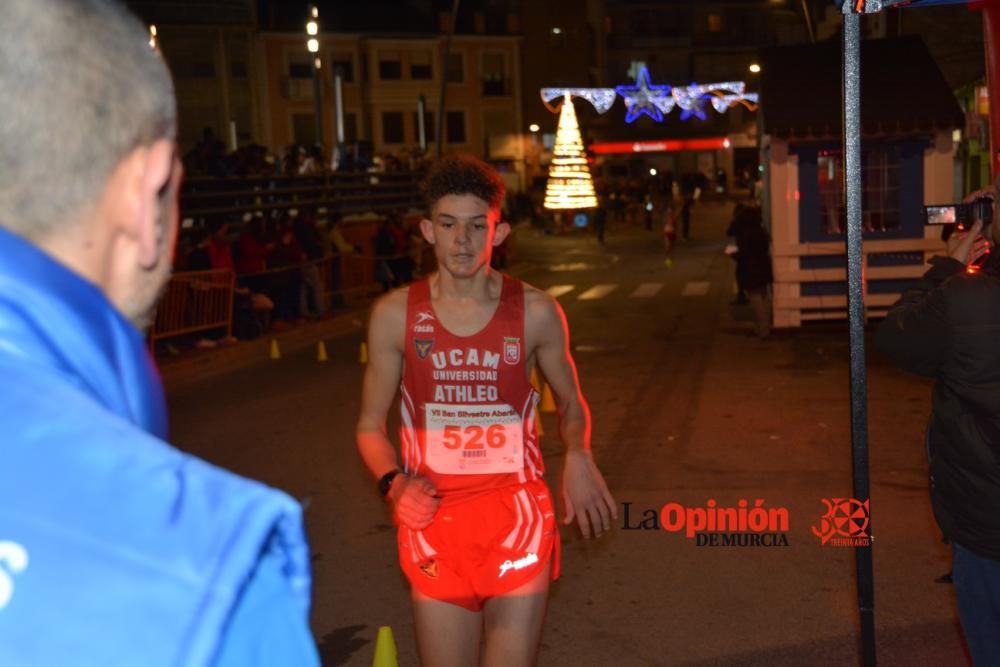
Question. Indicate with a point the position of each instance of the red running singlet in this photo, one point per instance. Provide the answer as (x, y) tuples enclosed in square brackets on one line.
[(468, 407)]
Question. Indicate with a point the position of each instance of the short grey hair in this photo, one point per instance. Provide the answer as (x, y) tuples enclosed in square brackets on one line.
[(80, 88)]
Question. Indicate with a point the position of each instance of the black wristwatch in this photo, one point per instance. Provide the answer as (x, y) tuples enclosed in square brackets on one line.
[(385, 481)]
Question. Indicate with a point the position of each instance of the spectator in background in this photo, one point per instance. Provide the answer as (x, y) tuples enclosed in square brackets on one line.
[(198, 257), (252, 248), (312, 296), (601, 219), (753, 265), (339, 248), (385, 246), (219, 249), (118, 549), (312, 161), (689, 192), (251, 269), (416, 246), (401, 262), (285, 281)]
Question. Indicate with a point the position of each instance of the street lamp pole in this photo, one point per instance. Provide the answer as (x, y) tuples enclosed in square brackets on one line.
[(312, 44)]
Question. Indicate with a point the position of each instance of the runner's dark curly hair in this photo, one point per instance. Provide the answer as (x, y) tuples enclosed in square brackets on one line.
[(463, 175)]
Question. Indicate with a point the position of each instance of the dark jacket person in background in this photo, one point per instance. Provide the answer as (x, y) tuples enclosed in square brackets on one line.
[(753, 264), (948, 328)]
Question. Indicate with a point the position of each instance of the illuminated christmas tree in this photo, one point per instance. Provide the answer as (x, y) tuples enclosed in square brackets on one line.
[(570, 185)]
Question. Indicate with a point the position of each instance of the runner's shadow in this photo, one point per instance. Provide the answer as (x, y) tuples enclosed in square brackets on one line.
[(339, 645)]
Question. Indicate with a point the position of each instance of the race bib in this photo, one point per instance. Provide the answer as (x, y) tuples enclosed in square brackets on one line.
[(473, 439)]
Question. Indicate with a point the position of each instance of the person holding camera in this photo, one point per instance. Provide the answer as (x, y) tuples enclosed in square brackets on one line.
[(947, 327)]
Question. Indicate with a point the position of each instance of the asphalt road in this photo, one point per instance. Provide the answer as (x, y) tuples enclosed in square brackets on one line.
[(688, 406)]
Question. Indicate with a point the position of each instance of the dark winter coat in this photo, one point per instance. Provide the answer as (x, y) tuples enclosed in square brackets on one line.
[(753, 249), (948, 327)]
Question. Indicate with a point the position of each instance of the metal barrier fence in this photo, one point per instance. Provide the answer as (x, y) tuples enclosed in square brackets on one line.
[(194, 301), (197, 301)]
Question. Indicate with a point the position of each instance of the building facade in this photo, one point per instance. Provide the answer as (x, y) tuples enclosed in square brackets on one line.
[(384, 83), (209, 46)]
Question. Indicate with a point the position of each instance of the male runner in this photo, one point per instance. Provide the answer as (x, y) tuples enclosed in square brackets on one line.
[(477, 533)]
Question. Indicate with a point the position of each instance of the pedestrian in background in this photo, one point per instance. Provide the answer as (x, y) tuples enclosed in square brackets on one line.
[(601, 219), (753, 265), (115, 548)]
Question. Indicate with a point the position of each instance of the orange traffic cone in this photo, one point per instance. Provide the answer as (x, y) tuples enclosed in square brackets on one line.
[(321, 352), (275, 351), (363, 354)]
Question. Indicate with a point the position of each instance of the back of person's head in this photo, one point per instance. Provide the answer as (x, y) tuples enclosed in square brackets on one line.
[(463, 175), (81, 89)]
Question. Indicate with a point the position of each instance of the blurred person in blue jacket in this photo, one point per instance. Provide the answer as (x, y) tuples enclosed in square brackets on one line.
[(115, 548)]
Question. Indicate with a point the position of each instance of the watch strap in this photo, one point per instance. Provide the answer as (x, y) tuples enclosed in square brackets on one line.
[(385, 481)]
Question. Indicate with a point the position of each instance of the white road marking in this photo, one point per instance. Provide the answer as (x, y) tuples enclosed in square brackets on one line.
[(647, 289), (597, 292), (696, 288), (558, 290)]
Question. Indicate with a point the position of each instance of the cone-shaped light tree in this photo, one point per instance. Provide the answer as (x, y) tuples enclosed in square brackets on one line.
[(570, 185)]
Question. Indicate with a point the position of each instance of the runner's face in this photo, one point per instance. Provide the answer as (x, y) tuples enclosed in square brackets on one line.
[(462, 230)]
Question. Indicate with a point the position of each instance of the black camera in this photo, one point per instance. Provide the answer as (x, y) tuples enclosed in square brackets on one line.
[(960, 215)]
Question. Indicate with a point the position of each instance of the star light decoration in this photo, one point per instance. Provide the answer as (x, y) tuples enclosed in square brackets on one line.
[(691, 99), (646, 98)]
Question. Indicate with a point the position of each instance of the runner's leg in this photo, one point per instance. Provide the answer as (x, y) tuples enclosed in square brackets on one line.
[(514, 623), (447, 635)]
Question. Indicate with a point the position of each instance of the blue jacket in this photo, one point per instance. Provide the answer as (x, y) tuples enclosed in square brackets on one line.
[(115, 548)]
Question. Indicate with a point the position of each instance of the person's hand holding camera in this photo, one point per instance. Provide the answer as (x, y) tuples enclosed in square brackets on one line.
[(971, 245), (968, 246)]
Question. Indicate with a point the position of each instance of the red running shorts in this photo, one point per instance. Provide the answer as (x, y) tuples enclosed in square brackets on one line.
[(483, 547)]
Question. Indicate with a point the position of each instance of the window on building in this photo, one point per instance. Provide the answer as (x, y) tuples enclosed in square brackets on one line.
[(454, 122), (494, 74), (880, 190), (420, 65), (392, 127), (350, 127), (456, 67), (300, 70), (715, 23), (430, 129), (390, 67), (304, 128), (343, 64), (192, 69)]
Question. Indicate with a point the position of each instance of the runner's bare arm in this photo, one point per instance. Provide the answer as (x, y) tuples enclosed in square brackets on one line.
[(413, 499), (585, 494)]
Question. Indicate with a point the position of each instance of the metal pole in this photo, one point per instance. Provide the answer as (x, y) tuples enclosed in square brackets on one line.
[(856, 316), (317, 94), (421, 127), (338, 92), (444, 74), (809, 23)]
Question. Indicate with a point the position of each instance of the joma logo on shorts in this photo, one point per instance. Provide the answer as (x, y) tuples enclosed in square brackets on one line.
[(518, 564)]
